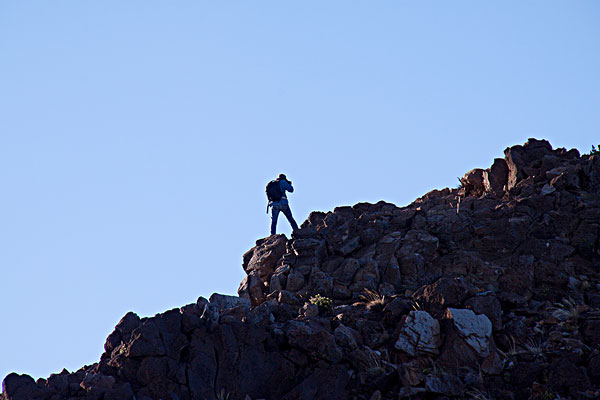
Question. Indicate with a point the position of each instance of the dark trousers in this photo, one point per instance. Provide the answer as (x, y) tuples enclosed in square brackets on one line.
[(285, 209)]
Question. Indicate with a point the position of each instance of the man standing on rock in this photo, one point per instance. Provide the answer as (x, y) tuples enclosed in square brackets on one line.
[(278, 201)]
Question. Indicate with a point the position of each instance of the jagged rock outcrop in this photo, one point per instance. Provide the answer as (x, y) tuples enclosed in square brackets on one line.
[(490, 290)]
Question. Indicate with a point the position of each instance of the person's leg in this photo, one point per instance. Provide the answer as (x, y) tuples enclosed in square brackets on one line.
[(274, 216), (288, 213)]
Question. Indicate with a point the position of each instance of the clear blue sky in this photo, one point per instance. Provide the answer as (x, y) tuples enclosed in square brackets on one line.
[(136, 137)]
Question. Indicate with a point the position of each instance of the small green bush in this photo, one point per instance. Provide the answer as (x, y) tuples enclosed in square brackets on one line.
[(595, 151), (324, 303)]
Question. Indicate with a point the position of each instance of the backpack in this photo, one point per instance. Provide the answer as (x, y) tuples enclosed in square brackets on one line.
[(273, 190)]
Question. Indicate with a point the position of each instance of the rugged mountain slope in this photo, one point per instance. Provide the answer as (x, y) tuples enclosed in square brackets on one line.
[(491, 290)]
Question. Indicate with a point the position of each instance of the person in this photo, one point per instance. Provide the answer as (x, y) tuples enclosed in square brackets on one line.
[(282, 204)]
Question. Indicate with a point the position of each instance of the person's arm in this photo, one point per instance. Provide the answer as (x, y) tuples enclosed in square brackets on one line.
[(287, 185)]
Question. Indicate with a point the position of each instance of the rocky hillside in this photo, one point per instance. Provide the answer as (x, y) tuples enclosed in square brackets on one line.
[(488, 291)]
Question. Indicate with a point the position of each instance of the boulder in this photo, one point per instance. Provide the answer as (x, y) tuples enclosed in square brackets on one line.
[(295, 281), (367, 277), (373, 333), (325, 383), (59, 383), (396, 308), (594, 368), (344, 274), (346, 337), (467, 343), (261, 316), (443, 293), (495, 178), (154, 373), (349, 246), (287, 297), (591, 332), (223, 302), (419, 241), (420, 334), (568, 378), (259, 263), (475, 329), (122, 332), (146, 341), (312, 338), (97, 381), (341, 292), (19, 387), (241, 359), (252, 288), (488, 305), (320, 283), (121, 391), (472, 182), (265, 255), (519, 158), (446, 384)]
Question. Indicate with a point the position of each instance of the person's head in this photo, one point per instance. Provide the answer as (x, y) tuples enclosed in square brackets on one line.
[(282, 177)]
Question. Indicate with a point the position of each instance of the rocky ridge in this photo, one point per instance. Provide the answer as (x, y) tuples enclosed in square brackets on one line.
[(487, 291)]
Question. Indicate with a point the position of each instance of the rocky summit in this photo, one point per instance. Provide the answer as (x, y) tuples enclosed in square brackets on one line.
[(486, 291)]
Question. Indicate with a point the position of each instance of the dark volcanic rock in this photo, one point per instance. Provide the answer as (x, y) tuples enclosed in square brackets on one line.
[(521, 160), (491, 290), (488, 305), (19, 387), (315, 340), (325, 382), (259, 263), (445, 292), (496, 177), (473, 182)]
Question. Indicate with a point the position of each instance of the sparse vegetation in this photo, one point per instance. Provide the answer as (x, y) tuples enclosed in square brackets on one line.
[(324, 303), (374, 301), (570, 307), (478, 394), (595, 151), (416, 306), (534, 347), (375, 364), (435, 368), (460, 182)]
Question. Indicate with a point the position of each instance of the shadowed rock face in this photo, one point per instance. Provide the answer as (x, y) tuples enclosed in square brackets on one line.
[(490, 289)]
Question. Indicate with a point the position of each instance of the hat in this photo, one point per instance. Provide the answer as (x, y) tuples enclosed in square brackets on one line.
[(282, 176)]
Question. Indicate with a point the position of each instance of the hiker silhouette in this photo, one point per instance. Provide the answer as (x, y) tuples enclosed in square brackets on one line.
[(278, 201)]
